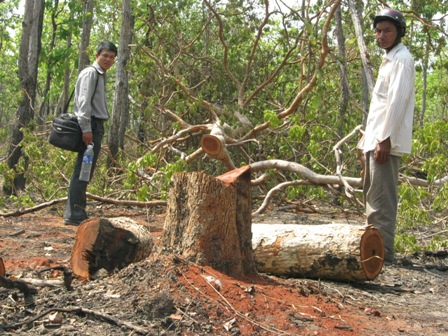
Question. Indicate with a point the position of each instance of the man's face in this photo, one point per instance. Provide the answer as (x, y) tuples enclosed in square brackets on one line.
[(105, 59), (386, 34)]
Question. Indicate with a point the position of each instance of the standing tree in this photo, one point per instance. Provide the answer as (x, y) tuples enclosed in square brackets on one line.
[(85, 37), (30, 46), (120, 117)]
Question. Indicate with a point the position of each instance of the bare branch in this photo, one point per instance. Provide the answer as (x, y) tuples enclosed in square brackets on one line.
[(324, 52)]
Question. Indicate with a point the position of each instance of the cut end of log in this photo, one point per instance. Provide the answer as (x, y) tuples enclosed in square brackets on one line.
[(2, 268), (211, 145), (109, 244), (372, 252)]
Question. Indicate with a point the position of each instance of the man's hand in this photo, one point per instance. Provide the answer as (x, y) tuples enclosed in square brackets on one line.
[(87, 138), (382, 150)]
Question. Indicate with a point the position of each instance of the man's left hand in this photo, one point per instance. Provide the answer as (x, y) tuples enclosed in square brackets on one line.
[(382, 151)]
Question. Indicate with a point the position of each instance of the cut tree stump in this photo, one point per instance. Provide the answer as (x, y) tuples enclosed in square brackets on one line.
[(109, 244), (209, 220), (331, 251)]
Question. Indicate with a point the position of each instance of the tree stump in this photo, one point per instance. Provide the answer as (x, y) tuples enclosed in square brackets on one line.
[(209, 220), (331, 251), (109, 244)]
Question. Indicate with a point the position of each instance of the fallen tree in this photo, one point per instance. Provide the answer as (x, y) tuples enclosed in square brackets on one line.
[(331, 251)]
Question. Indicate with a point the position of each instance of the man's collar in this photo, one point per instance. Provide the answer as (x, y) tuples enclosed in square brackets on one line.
[(390, 55), (98, 68)]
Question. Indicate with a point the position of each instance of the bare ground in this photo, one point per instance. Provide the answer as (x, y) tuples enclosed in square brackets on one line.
[(165, 295)]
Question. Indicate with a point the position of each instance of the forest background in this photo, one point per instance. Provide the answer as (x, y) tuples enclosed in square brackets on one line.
[(285, 86)]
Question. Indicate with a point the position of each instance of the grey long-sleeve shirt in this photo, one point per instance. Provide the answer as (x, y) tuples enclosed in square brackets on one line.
[(85, 106)]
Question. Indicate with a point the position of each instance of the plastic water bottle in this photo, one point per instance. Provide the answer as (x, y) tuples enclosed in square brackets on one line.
[(86, 166)]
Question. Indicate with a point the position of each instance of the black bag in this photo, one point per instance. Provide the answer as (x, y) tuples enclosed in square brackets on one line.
[(66, 134)]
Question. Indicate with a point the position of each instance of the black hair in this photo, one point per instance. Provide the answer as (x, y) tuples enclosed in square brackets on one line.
[(106, 45)]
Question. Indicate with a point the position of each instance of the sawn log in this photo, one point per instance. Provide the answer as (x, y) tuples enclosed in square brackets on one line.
[(330, 251), (109, 244)]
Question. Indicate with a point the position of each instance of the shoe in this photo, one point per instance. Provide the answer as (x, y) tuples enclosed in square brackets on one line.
[(71, 222), (389, 262)]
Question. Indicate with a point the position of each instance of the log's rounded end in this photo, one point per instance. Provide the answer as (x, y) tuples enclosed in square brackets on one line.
[(2, 268), (85, 239), (211, 145), (372, 252)]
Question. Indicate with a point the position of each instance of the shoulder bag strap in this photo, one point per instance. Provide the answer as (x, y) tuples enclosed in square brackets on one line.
[(73, 91)]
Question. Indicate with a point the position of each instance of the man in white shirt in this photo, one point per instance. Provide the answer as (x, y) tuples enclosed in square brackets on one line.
[(388, 133)]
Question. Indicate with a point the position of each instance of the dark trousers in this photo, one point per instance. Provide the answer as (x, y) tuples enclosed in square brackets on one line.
[(76, 202)]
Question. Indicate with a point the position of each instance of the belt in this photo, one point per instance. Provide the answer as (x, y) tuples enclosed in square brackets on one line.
[(98, 119)]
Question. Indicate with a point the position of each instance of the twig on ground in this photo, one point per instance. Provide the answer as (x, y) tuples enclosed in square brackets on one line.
[(80, 310), (17, 284), (94, 197)]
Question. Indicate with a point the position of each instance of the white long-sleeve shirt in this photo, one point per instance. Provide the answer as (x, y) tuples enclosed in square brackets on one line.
[(391, 112)]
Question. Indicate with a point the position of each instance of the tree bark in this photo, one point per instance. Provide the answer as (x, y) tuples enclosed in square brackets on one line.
[(120, 117), (30, 45), (356, 13), (332, 251), (208, 220), (2, 268), (85, 37), (214, 144), (109, 244)]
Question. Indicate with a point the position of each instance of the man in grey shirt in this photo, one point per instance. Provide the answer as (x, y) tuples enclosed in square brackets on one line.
[(91, 110)]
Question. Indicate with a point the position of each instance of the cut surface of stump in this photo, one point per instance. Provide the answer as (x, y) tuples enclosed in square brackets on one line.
[(208, 220), (109, 244), (330, 251)]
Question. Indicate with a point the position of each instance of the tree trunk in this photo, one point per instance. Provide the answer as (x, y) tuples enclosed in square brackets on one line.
[(356, 14), (85, 37), (208, 220), (109, 244), (120, 117), (332, 251), (44, 108), (30, 45), (342, 62)]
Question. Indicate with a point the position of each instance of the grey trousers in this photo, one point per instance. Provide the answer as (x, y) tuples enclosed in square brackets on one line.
[(76, 201), (381, 198)]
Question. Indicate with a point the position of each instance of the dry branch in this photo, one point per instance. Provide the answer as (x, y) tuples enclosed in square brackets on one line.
[(304, 172), (17, 284), (91, 196), (80, 310), (214, 144), (42, 283)]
